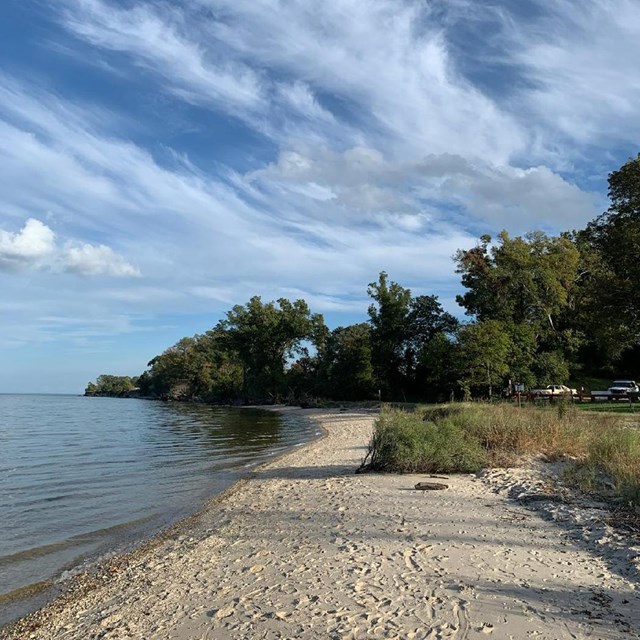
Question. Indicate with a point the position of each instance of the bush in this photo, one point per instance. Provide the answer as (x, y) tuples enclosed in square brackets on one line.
[(465, 437), (615, 453), (405, 443)]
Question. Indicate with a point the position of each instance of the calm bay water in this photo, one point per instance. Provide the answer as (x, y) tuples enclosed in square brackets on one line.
[(80, 476)]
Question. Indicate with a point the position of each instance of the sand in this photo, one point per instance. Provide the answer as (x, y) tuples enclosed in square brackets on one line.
[(307, 549)]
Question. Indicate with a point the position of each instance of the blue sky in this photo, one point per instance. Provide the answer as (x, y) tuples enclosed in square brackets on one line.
[(163, 161)]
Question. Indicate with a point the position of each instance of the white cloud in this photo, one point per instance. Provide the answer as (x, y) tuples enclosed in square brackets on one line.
[(91, 260), (34, 246), (157, 42), (360, 180), (29, 246), (177, 47), (580, 67)]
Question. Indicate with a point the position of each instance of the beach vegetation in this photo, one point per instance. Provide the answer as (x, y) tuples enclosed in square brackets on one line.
[(601, 452)]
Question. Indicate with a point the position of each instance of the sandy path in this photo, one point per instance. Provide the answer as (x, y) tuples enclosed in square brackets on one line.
[(306, 549)]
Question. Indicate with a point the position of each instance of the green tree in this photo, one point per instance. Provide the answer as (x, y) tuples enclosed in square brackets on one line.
[(401, 328), (202, 367), (265, 336), (109, 385), (532, 285), (91, 389), (428, 323), (439, 365), (389, 321), (519, 280), (612, 242), (349, 371), (484, 353)]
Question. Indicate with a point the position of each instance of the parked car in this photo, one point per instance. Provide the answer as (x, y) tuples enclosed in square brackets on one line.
[(619, 390), (554, 391), (626, 389)]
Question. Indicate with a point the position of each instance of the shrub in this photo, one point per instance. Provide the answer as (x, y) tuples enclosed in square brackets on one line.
[(406, 442), (465, 437)]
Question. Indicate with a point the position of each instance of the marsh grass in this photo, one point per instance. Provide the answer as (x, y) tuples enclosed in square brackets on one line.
[(466, 437)]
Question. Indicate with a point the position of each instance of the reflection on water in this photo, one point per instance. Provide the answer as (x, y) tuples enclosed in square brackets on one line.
[(79, 475)]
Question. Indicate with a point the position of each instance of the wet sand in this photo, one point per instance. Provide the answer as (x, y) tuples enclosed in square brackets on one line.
[(306, 549)]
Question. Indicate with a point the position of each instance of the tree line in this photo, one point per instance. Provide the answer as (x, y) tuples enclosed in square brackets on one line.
[(541, 309)]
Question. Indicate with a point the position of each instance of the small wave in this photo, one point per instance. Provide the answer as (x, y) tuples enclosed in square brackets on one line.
[(74, 541)]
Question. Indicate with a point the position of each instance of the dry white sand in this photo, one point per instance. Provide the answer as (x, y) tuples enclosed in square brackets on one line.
[(307, 549)]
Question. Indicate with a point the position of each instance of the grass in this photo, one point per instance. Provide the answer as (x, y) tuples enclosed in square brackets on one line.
[(609, 407), (604, 453)]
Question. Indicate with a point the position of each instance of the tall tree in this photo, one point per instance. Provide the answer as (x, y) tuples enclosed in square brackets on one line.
[(389, 320), (530, 284), (349, 371), (484, 351), (528, 279), (615, 239), (401, 328), (265, 336)]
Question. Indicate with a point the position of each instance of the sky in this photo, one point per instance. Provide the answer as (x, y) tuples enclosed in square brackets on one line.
[(161, 162)]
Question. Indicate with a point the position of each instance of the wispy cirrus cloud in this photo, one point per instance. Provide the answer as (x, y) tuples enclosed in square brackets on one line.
[(581, 68), (388, 72), (177, 47)]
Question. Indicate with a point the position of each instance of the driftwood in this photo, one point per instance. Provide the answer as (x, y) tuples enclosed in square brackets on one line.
[(431, 486)]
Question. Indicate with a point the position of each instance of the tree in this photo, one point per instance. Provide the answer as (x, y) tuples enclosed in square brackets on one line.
[(531, 285), (439, 365), (347, 361), (614, 238), (202, 367), (389, 319), (401, 328), (427, 322), (265, 336), (528, 279), (484, 352), (108, 385)]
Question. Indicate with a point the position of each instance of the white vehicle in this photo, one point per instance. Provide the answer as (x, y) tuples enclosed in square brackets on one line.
[(554, 391), (619, 390), (627, 389)]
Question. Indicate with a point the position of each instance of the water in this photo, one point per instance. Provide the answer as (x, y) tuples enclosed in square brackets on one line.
[(79, 476)]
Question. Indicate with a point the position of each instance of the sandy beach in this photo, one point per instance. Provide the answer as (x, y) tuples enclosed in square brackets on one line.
[(307, 549)]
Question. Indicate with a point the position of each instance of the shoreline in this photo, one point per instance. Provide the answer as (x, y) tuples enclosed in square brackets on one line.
[(305, 548), (90, 571), (57, 594)]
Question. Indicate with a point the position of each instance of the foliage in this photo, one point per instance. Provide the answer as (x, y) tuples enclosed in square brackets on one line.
[(265, 335), (405, 442), (542, 310), (108, 385), (614, 456), (613, 243), (519, 280), (402, 328), (388, 318), (466, 437), (347, 361), (485, 348), (198, 368)]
